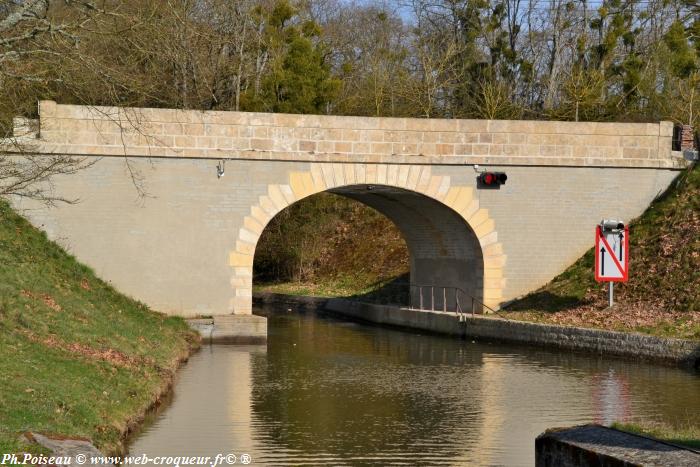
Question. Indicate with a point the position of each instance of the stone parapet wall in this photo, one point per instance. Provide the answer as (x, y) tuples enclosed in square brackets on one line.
[(105, 131)]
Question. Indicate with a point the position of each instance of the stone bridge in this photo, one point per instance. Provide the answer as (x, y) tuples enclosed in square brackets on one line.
[(187, 247)]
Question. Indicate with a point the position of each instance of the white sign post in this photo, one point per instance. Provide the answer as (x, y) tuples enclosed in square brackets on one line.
[(611, 254)]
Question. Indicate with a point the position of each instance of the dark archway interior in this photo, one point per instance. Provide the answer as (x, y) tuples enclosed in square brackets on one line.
[(446, 263), (445, 255)]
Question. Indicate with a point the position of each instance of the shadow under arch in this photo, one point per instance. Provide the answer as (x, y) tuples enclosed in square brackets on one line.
[(452, 242)]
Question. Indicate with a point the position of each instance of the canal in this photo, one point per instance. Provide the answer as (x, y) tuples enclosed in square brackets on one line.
[(329, 392)]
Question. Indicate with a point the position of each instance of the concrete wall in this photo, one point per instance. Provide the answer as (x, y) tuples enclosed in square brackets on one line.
[(187, 248), (600, 446), (675, 351)]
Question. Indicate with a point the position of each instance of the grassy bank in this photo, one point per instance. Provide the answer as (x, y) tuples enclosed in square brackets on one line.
[(329, 245), (355, 252), (687, 436), (78, 358), (662, 296)]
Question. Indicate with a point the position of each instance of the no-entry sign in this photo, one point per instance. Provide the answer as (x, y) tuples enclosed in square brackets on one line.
[(611, 254)]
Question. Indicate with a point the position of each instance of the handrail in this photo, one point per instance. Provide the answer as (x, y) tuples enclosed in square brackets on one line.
[(457, 291)]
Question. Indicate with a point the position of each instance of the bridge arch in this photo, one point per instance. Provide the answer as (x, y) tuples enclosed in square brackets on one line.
[(452, 241)]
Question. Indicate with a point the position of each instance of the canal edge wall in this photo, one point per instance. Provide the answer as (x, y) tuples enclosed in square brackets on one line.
[(598, 341), (596, 445)]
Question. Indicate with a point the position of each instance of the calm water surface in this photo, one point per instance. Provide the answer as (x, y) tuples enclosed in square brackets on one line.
[(324, 391)]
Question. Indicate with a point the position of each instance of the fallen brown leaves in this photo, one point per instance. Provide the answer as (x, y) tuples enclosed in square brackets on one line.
[(48, 300), (624, 316), (663, 293), (113, 356)]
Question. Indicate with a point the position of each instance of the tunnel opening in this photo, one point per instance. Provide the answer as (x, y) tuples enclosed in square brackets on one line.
[(331, 245), (409, 250)]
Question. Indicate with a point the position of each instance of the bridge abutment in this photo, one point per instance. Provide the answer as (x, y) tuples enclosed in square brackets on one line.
[(187, 247)]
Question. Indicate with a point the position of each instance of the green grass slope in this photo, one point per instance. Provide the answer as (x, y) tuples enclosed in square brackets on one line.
[(77, 358), (687, 435), (328, 245), (663, 293)]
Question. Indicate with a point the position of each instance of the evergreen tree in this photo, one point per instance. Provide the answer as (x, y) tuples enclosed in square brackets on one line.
[(299, 80)]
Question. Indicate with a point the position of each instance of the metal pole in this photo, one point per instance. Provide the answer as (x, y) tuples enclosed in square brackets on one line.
[(420, 292), (444, 299), (432, 298), (610, 294)]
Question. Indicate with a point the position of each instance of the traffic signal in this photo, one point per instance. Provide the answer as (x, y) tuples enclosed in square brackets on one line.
[(491, 179)]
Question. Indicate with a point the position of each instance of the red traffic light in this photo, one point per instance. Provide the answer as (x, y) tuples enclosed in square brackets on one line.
[(492, 179)]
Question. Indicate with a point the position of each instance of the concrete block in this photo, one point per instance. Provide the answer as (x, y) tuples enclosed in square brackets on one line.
[(297, 181), (433, 186), (371, 173), (414, 172), (392, 174), (319, 184), (492, 262), (443, 187), (245, 248), (424, 179), (381, 174), (268, 206), (232, 329), (484, 228), (338, 174), (240, 259), (489, 239), (308, 146), (595, 445), (287, 193), (260, 216), (349, 174), (478, 218), (274, 193), (361, 173)]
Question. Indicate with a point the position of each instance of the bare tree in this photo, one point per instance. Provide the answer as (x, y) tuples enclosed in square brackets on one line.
[(30, 39)]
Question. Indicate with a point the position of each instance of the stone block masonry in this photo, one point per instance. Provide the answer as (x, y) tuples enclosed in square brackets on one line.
[(137, 132), (236, 329), (188, 247)]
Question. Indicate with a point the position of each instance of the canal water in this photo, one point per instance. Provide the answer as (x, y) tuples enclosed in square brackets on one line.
[(328, 392)]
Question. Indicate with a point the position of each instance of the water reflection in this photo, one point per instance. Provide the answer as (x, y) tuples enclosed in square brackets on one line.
[(329, 392)]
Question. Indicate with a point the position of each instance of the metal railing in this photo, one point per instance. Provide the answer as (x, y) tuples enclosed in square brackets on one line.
[(432, 297)]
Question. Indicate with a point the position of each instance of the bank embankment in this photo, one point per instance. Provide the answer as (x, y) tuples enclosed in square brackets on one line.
[(662, 297), (78, 358), (610, 343)]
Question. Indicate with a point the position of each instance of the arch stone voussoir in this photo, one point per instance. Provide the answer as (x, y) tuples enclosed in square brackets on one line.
[(371, 173), (268, 206), (484, 228), (382, 174), (251, 224), (260, 215), (349, 174), (414, 172), (324, 176), (392, 174), (274, 192), (339, 175), (317, 178), (361, 173), (424, 179)]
